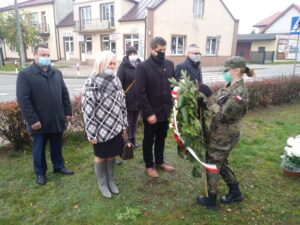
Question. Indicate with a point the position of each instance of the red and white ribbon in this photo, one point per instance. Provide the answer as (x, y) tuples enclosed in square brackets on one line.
[(210, 167)]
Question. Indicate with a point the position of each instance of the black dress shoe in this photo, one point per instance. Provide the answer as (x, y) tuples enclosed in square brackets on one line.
[(64, 171), (41, 180)]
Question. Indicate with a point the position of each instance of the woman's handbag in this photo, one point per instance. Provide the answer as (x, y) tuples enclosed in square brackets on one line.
[(127, 152)]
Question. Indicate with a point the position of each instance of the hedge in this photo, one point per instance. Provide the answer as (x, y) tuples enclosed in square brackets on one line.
[(274, 91)]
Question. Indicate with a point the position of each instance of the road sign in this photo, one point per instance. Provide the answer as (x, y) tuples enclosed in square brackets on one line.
[(295, 25)]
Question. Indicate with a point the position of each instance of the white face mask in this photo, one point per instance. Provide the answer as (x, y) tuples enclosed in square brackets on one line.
[(132, 58), (108, 71), (195, 58)]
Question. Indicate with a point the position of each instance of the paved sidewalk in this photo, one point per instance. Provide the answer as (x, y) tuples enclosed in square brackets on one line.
[(69, 69)]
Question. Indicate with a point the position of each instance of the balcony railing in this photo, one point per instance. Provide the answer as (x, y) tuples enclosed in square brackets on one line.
[(93, 25), (42, 29)]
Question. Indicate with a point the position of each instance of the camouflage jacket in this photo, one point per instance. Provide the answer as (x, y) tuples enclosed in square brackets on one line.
[(228, 106)]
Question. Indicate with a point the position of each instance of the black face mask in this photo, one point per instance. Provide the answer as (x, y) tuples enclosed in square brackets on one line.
[(160, 57)]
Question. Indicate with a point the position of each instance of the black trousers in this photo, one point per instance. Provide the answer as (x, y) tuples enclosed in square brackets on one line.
[(132, 117), (154, 134)]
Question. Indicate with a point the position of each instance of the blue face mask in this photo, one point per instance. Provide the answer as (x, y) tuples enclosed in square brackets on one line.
[(227, 77), (44, 61)]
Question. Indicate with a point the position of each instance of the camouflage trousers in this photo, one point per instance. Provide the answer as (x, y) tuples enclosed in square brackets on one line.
[(220, 158)]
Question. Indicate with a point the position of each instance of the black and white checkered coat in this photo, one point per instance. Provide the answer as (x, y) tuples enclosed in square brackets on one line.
[(103, 107)]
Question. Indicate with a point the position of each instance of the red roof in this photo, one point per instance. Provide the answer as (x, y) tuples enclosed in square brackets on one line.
[(138, 12), (268, 20), (266, 23)]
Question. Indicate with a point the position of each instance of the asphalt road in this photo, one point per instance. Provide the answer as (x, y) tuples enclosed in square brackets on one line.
[(8, 86), (8, 82)]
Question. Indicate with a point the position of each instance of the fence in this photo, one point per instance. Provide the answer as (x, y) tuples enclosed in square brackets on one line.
[(261, 57)]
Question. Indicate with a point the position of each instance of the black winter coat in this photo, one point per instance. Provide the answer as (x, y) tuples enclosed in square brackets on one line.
[(193, 70), (43, 96), (153, 88), (126, 74)]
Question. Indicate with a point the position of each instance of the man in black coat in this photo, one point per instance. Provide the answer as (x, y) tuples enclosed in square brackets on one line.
[(46, 107), (154, 94)]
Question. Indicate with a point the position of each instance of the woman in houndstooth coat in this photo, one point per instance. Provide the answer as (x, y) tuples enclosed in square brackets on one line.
[(105, 118)]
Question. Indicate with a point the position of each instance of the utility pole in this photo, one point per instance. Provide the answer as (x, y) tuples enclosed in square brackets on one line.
[(19, 34), (296, 55)]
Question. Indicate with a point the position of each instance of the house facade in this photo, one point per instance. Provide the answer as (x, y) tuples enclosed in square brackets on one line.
[(273, 41), (114, 25), (45, 15)]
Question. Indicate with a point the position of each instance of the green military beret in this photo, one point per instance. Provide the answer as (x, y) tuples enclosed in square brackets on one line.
[(235, 62)]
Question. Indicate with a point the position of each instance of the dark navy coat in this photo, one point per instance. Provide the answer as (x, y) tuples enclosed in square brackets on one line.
[(43, 96), (193, 70)]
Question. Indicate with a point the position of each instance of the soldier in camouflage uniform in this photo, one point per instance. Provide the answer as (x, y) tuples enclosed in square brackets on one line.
[(228, 106)]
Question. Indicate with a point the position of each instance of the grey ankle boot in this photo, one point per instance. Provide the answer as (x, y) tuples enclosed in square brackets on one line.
[(110, 177), (101, 174)]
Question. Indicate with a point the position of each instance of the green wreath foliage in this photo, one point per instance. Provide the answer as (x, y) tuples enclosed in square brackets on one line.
[(188, 120)]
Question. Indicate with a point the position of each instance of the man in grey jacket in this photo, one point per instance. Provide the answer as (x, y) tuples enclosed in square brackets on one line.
[(46, 107)]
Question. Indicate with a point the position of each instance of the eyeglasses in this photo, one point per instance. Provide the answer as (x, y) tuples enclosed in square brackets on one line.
[(196, 53)]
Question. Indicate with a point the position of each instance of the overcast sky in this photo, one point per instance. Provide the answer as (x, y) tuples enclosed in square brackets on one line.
[(249, 12)]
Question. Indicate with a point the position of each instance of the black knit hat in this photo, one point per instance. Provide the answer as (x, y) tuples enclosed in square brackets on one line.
[(131, 50)]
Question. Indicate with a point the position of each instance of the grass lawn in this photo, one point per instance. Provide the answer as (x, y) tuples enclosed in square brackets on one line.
[(10, 67), (270, 197)]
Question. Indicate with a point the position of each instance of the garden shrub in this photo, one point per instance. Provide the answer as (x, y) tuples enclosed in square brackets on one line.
[(273, 91), (12, 126), (76, 123)]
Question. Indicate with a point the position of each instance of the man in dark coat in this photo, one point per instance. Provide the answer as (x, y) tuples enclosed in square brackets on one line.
[(45, 105), (191, 64), (154, 94)]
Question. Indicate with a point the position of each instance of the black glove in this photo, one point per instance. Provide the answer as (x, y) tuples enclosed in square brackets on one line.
[(201, 103), (205, 90)]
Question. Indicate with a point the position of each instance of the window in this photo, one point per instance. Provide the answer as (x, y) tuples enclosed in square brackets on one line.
[(211, 45), (45, 27), (107, 13), (35, 42), (85, 16), (35, 19), (261, 49), (107, 44), (69, 44), (198, 8), (131, 40), (12, 48), (86, 46), (177, 45)]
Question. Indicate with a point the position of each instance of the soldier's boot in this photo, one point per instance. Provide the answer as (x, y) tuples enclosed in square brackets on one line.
[(209, 202), (101, 174), (110, 177), (234, 195)]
